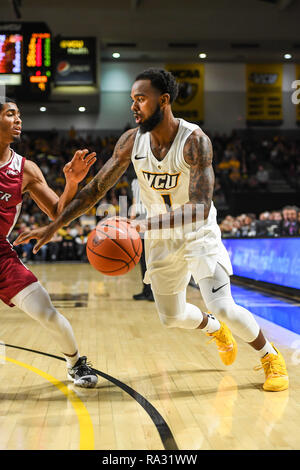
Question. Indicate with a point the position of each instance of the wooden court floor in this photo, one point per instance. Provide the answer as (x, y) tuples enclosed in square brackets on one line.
[(158, 388)]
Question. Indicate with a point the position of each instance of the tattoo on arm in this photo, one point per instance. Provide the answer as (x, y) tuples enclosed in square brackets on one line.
[(199, 156), (102, 182)]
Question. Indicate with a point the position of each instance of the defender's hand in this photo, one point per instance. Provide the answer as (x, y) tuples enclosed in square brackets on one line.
[(43, 234), (77, 169)]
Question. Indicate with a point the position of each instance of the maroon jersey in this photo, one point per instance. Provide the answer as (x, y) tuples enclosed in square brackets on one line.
[(14, 276), (11, 176)]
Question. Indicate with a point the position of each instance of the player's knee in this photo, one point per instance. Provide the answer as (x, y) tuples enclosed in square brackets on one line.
[(50, 316), (223, 312)]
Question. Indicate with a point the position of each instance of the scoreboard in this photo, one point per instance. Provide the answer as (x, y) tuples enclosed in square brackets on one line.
[(11, 57), (26, 59), (38, 61), (32, 62)]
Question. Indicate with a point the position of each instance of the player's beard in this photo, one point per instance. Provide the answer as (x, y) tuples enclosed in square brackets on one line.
[(149, 124)]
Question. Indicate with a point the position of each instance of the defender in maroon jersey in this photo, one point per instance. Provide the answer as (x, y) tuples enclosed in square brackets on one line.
[(18, 285)]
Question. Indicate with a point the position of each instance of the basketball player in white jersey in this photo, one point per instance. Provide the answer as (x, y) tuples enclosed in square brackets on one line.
[(173, 162), (18, 285)]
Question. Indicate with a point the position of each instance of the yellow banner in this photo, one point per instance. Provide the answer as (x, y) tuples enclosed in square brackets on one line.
[(298, 94), (264, 93), (189, 104)]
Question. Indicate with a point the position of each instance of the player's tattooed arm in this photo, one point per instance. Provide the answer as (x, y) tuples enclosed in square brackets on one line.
[(198, 154), (104, 180), (90, 194)]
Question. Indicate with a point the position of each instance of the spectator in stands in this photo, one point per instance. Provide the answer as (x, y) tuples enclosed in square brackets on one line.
[(273, 227), (54, 247), (252, 163), (252, 183), (262, 176), (276, 215), (234, 163), (26, 248), (262, 224), (219, 196), (67, 244), (289, 224), (236, 227), (249, 229), (226, 228), (72, 133), (235, 178), (114, 201), (298, 220), (269, 224), (80, 244), (224, 166)]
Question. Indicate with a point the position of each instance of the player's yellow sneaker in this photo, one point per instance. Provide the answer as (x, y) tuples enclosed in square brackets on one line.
[(226, 344), (275, 371)]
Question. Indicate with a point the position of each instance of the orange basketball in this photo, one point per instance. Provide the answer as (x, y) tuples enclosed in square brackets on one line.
[(114, 247)]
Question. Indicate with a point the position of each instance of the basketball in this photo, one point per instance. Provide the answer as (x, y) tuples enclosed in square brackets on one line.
[(114, 247)]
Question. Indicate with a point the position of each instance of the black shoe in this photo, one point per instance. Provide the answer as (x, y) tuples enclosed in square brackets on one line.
[(141, 296), (144, 296), (82, 374), (150, 297)]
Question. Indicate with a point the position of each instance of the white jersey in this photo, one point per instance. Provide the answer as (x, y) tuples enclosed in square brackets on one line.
[(164, 185)]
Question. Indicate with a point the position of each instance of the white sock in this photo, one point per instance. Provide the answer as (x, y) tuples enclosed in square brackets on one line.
[(71, 360), (212, 325), (267, 349), (36, 302)]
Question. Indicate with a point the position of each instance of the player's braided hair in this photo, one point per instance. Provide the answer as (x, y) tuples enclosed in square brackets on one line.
[(161, 80)]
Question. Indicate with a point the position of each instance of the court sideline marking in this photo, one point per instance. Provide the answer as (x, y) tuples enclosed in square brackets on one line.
[(162, 427), (87, 441)]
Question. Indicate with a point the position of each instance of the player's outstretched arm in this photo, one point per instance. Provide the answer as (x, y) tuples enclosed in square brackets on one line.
[(35, 184), (96, 189)]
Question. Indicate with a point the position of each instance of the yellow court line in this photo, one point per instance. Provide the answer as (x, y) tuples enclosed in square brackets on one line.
[(87, 441)]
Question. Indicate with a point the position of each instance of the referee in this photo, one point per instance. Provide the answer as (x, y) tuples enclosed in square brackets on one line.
[(138, 210)]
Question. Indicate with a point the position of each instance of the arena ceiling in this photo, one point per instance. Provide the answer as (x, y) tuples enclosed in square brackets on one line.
[(160, 30)]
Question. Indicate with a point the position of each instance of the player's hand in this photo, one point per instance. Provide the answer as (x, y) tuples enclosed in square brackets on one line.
[(77, 169), (42, 234)]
